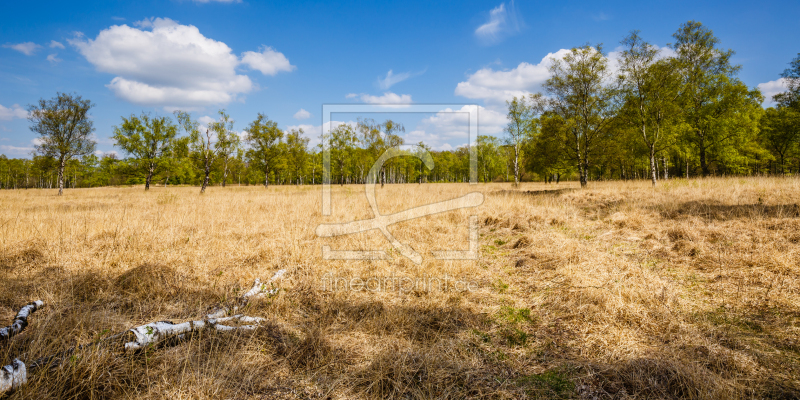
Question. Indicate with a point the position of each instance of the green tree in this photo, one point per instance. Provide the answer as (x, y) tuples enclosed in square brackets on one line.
[(522, 125), (342, 140), (227, 142), (65, 129), (716, 105), (297, 154), (148, 139), (377, 138), (200, 145), (650, 89), (264, 138), (780, 132), (791, 76), (580, 93)]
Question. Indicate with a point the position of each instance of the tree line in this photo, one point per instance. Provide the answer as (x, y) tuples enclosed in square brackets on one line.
[(651, 116)]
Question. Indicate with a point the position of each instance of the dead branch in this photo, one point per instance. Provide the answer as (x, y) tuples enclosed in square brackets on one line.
[(20, 321)]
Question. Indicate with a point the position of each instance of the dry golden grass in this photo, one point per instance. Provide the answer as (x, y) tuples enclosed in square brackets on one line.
[(619, 291)]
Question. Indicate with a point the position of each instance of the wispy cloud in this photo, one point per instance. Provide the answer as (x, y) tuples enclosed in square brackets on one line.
[(27, 48), (53, 59), (387, 98), (503, 22), (391, 78), (56, 45), (601, 17)]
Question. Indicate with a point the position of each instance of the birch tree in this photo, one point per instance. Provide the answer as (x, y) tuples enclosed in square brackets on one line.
[(264, 138), (377, 138), (148, 139), (227, 143), (583, 94), (342, 140), (651, 89), (521, 125), (64, 129), (200, 145)]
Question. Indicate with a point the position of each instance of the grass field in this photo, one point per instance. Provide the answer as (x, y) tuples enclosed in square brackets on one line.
[(690, 290)]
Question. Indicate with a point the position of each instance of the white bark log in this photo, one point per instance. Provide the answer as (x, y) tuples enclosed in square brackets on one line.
[(20, 321), (156, 332), (13, 376)]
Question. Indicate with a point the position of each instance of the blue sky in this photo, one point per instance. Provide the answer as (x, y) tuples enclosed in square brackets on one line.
[(286, 60)]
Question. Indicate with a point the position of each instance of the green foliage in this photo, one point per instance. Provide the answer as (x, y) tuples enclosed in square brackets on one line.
[(149, 140), (551, 384)]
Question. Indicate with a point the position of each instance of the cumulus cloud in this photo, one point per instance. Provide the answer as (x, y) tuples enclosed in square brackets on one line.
[(9, 113), (302, 114), (27, 48), (268, 61), (503, 22), (495, 87), (771, 88), (53, 59), (162, 63), (56, 45)]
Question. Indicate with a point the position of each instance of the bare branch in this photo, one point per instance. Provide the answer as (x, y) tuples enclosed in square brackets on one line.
[(20, 321)]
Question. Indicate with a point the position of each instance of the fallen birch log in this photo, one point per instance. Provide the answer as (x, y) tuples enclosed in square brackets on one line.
[(14, 375), (20, 321)]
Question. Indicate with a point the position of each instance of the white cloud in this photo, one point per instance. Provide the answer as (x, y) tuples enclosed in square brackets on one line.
[(495, 87), (9, 113), (14, 150), (503, 22), (165, 63), (387, 98), (391, 78), (302, 114), (268, 61), (771, 88), (53, 59), (56, 45), (27, 48), (37, 141)]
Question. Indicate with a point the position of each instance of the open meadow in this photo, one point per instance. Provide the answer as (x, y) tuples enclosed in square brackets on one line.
[(689, 290)]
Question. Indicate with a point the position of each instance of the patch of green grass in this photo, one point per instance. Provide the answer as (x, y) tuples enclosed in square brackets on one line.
[(514, 337), (500, 286), (551, 384), (499, 242), (516, 315)]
